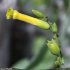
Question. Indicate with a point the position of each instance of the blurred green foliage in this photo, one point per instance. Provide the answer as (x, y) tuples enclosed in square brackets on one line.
[(44, 63)]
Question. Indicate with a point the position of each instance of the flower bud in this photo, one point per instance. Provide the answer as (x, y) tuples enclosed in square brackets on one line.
[(54, 27), (53, 47), (55, 37), (38, 13), (59, 62)]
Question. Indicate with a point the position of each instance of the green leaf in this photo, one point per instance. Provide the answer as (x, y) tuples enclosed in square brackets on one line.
[(38, 58), (22, 64), (38, 44), (46, 63)]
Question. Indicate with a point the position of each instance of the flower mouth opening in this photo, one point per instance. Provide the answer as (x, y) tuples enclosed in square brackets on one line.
[(9, 13)]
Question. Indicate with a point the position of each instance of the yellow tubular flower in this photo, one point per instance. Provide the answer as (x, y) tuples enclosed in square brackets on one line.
[(34, 21)]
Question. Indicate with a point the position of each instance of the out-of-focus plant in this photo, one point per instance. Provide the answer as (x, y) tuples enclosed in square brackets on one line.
[(53, 44)]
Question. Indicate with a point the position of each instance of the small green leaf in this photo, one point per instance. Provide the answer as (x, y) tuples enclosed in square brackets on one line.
[(38, 13)]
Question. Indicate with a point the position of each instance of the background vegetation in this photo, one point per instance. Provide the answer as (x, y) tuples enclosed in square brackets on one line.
[(21, 42)]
